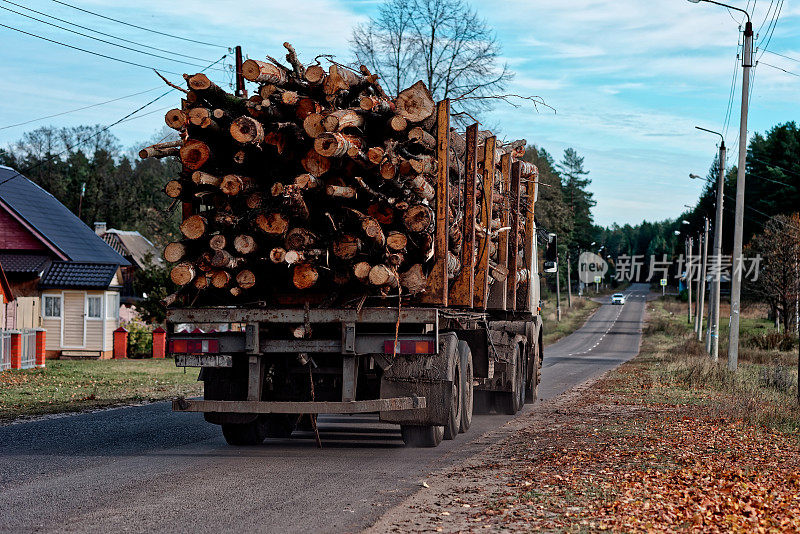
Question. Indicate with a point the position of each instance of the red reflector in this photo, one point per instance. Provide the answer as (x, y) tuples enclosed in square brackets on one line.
[(408, 347), (194, 346), (177, 346)]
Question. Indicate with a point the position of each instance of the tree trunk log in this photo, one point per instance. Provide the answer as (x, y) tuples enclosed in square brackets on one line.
[(173, 189), (263, 72), (176, 119), (217, 242), (383, 276), (247, 131), (315, 164), (246, 279), (175, 252), (194, 154), (418, 218), (273, 224), (245, 244), (194, 227), (304, 276), (182, 274), (341, 119), (414, 280), (416, 103)]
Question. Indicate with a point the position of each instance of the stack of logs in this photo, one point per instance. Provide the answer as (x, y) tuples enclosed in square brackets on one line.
[(319, 185)]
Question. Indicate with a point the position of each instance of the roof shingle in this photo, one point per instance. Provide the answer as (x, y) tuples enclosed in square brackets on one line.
[(53, 220), (62, 274)]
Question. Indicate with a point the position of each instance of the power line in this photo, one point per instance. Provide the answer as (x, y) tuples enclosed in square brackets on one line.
[(776, 166), (87, 51), (204, 60), (78, 109), (101, 130), (781, 55), (99, 39), (781, 69), (766, 16), (139, 27), (773, 24)]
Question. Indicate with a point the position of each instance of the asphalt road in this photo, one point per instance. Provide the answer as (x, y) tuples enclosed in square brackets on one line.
[(144, 469)]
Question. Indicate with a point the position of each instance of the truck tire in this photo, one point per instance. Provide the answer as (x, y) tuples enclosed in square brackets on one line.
[(245, 434), (467, 387), (422, 436), (454, 373), (510, 402), (532, 390)]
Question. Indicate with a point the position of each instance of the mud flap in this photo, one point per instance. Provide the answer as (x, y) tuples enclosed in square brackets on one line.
[(424, 376)]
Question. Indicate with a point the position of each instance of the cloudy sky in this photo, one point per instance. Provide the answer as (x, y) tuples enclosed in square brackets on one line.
[(630, 78)]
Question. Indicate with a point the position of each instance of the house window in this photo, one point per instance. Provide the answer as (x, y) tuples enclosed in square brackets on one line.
[(52, 307), (94, 307), (112, 305)]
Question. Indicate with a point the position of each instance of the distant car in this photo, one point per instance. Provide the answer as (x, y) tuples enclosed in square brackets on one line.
[(617, 298)]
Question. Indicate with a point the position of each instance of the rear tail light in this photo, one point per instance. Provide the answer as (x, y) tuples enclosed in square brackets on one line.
[(409, 347), (194, 346)]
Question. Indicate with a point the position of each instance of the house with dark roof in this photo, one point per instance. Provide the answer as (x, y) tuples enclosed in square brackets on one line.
[(134, 247), (65, 277)]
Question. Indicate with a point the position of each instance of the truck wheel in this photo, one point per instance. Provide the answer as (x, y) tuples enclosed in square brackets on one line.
[(532, 391), (510, 402), (245, 434), (467, 398), (455, 374), (422, 436)]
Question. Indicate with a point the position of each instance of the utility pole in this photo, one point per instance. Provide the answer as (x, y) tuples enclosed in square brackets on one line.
[(736, 280), (712, 337), (241, 92), (569, 284), (558, 287), (689, 247), (701, 293)]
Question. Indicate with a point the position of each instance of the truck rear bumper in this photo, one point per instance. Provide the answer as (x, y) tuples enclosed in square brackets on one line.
[(257, 407)]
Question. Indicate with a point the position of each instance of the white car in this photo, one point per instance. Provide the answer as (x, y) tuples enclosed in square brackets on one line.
[(617, 298)]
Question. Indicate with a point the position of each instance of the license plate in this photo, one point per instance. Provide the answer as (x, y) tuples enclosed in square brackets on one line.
[(203, 360)]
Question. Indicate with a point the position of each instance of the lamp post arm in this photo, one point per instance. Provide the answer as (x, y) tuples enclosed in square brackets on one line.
[(729, 7)]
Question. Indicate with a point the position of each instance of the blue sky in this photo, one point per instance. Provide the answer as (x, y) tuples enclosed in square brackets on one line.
[(630, 78)]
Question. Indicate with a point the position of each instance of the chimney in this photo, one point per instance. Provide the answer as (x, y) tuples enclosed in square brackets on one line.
[(100, 228)]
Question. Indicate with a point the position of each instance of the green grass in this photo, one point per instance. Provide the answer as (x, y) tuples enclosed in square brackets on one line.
[(762, 391), (572, 318), (65, 385)]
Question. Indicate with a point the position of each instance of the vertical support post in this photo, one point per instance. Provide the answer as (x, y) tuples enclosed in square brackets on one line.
[(120, 343), (463, 291), (701, 293), (349, 378), (159, 343), (513, 241), (41, 336), (15, 349), (482, 274), (569, 282), (689, 248), (436, 292), (255, 377), (241, 92), (530, 235), (499, 290)]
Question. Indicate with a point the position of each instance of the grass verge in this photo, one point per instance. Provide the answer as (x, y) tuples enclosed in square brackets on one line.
[(572, 317), (66, 386)]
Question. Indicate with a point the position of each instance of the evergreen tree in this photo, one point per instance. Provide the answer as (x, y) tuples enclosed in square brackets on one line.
[(576, 196)]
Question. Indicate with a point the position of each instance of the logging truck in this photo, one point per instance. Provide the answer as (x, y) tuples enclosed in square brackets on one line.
[(472, 345), (397, 275)]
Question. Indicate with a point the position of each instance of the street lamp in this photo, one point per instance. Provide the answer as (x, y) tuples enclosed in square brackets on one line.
[(736, 279), (712, 339)]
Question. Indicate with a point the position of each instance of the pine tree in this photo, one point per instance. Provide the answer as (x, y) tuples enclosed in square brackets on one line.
[(576, 196)]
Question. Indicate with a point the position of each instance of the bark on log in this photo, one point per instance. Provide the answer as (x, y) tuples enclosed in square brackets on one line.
[(341, 119), (204, 178), (307, 182), (422, 138), (161, 150), (336, 145), (313, 126), (340, 191), (263, 72), (376, 105), (300, 239), (233, 184), (315, 74)]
